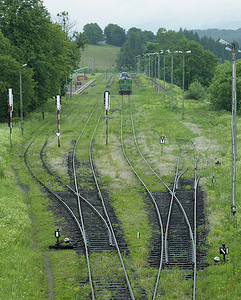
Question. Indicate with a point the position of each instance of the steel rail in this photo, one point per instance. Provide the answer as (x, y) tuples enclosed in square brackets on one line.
[(82, 88), (170, 209), (75, 193), (80, 226), (169, 190), (156, 207), (157, 85), (152, 198), (173, 195), (79, 202), (106, 213), (196, 180), (49, 190)]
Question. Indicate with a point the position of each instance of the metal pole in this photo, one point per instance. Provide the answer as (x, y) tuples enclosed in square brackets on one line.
[(158, 73), (71, 87), (10, 102), (106, 123), (149, 67), (155, 71), (172, 81), (21, 99), (152, 74), (164, 76), (234, 126), (183, 73), (145, 66), (58, 128), (11, 126), (21, 96), (234, 131)]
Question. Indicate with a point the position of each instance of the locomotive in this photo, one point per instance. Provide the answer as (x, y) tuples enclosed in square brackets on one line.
[(125, 84)]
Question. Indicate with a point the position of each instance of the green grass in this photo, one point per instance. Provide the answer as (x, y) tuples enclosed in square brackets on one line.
[(27, 224), (104, 55)]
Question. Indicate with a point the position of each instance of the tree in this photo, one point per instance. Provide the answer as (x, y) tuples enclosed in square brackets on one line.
[(133, 30), (80, 39), (94, 33), (221, 88), (167, 39), (133, 47), (44, 46), (196, 91), (209, 44), (115, 35), (148, 36), (9, 77), (64, 21), (200, 65)]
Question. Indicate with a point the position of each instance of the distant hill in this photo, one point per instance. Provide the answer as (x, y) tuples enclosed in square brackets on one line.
[(226, 34), (104, 56)]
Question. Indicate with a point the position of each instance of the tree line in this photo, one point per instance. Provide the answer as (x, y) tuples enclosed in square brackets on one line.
[(42, 49), (200, 64), (112, 34), (47, 52), (208, 66)]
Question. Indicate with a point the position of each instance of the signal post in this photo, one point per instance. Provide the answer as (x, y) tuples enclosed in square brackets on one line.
[(107, 107), (10, 99), (58, 104)]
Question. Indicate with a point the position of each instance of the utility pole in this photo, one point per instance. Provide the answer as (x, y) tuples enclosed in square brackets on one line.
[(21, 96), (10, 98), (232, 48)]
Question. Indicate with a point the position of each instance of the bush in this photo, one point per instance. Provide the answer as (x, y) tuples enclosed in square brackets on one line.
[(196, 91)]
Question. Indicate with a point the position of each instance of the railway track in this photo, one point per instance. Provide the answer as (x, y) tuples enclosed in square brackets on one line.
[(83, 87), (174, 211), (90, 217), (173, 217)]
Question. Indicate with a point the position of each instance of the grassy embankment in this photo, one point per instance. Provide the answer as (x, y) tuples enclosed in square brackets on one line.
[(104, 55)]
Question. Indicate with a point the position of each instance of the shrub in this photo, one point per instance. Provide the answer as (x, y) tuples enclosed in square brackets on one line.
[(196, 91)]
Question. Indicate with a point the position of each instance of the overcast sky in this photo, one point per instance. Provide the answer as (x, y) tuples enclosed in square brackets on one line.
[(151, 14)]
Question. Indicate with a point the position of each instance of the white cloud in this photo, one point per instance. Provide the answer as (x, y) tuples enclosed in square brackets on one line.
[(152, 14)]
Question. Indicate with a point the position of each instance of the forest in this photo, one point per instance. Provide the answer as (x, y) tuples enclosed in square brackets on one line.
[(38, 49)]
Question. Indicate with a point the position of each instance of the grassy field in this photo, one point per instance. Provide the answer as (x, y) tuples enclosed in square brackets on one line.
[(27, 223), (104, 56)]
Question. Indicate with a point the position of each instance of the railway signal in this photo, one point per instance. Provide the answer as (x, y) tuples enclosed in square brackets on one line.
[(162, 141), (58, 104), (59, 244), (107, 107), (107, 100), (223, 250), (57, 235), (10, 101)]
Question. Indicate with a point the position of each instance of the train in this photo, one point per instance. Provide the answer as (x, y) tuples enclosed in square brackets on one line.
[(125, 84)]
